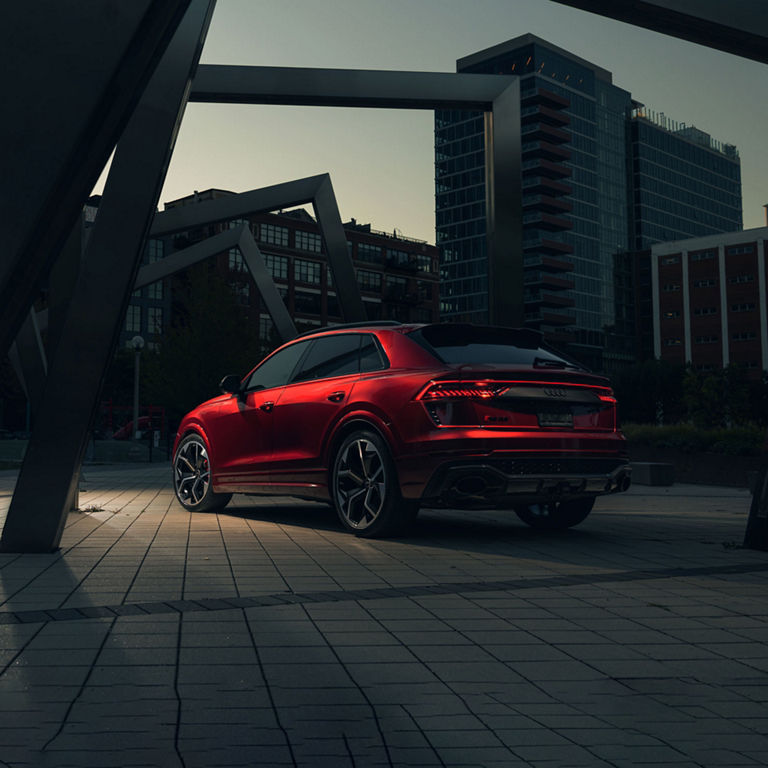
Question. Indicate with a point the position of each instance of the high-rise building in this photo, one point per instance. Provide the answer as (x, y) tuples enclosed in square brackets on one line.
[(586, 149)]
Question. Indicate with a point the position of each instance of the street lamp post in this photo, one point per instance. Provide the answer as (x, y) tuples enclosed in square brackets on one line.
[(137, 342)]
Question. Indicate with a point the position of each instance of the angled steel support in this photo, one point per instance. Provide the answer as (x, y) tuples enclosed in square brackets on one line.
[(86, 80), (317, 190), (242, 239), (37, 513), (497, 95), (739, 27)]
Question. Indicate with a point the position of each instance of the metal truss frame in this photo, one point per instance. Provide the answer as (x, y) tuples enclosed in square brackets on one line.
[(316, 190), (496, 95), (241, 238)]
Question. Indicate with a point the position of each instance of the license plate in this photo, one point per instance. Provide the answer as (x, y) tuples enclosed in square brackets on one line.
[(555, 419)]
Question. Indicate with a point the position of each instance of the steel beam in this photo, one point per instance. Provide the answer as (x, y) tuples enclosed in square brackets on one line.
[(738, 26), (241, 238), (383, 89), (504, 209), (497, 95), (37, 512), (73, 72), (316, 190)]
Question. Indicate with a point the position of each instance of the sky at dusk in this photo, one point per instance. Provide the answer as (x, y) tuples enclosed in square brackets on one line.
[(381, 161)]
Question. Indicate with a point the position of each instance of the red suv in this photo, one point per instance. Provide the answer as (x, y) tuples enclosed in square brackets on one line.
[(382, 418)]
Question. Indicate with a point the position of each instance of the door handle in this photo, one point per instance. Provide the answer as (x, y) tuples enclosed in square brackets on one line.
[(268, 406), (336, 397)]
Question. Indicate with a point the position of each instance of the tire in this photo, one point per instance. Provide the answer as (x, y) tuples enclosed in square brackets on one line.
[(556, 515), (192, 477), (365, 489)]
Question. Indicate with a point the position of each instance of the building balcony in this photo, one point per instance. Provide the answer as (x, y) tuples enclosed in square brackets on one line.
[(542, 167), (538, 113), (536, 298), (548, 98), (543, 245), (546, 150), (546, 186), (539, 220), (545, 132), (557, 336), (549, 317), (546, 280), (546, 203)]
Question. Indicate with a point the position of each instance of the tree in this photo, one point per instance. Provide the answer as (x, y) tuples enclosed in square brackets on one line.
[(208, 337)]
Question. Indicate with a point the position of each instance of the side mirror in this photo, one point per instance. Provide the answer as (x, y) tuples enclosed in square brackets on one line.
[(230, 385)]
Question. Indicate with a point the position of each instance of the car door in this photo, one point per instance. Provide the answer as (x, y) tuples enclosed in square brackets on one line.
[(309, 404), (243, 428)]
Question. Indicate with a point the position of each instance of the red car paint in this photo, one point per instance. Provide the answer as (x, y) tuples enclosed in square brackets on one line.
[(459, 434)]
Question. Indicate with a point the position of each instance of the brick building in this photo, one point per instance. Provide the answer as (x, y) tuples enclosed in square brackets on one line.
[(397, 275), (703, 301)]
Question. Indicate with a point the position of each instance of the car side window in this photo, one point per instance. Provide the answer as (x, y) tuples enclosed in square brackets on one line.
[(276, 371), (371, 357), (336, 355)]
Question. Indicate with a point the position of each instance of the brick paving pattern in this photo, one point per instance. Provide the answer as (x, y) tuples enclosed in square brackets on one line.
[(265, 636)]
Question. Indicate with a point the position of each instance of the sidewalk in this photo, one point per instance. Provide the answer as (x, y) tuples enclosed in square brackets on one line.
[(265, 636)]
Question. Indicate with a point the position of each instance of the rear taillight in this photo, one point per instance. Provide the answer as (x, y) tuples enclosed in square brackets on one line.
[(456, 390)]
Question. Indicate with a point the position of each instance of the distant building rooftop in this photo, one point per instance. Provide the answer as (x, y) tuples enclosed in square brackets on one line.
[(688, 132)]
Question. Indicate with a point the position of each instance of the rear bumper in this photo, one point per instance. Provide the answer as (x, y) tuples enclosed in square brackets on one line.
[(480, 483)]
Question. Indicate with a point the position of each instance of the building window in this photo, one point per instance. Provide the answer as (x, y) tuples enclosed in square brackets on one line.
[(703, 255), (272, 233), (155, 320), (234, 223), (670, 260), (741, 279), (236, 263), (425, 290), (277, 266), (704, 283), (368, 252), (133, 319), (306, 271), (672, 313), (308, 241), (744, 336), (242, 292), (670, 287), (740, 249), (155, 250), (705, 311), (369, 281), (399, 258), (711, 339), (424, 262), (672, 342), (307, 303), (746, 307), (155, 290)]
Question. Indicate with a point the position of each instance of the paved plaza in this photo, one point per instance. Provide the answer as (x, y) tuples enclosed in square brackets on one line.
[(265, 636)]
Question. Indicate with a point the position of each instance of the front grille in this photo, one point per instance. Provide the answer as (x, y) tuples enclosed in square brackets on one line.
[(586, 466)]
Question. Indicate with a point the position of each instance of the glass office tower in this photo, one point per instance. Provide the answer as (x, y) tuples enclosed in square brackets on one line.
[(578, 182)]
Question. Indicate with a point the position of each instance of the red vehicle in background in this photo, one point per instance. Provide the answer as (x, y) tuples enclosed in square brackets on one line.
[(381, 419)]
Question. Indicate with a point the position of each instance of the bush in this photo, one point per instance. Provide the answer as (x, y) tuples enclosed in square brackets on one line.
[(686, 438)]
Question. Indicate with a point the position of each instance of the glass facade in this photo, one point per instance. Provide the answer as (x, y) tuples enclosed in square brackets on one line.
[(579, 142), (684, 184)]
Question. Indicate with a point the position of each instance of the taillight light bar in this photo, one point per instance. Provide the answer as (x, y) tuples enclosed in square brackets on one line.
[(444, 390)]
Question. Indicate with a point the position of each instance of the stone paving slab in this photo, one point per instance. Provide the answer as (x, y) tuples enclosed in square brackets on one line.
[(264, 635)]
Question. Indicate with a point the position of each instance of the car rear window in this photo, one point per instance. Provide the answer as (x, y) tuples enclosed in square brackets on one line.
[(477, 344)]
